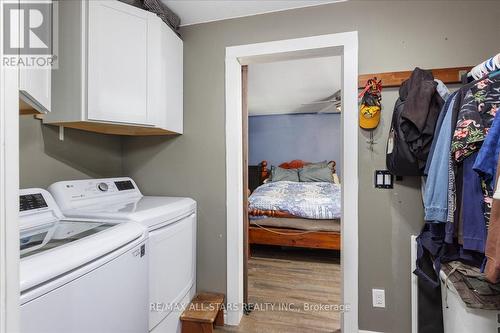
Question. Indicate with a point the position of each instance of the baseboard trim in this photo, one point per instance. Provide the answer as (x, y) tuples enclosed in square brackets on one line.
[(363, 331)]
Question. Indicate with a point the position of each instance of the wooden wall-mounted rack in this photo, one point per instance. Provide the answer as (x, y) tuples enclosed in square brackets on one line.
[(451, 75)]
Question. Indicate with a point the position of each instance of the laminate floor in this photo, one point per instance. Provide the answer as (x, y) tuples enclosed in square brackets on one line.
[(287, 286)]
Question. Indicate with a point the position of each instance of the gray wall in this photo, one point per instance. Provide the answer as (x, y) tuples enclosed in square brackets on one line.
[(43, 159), (286, 137), (393, 35)]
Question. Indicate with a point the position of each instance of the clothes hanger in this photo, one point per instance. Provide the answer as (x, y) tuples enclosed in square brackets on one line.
[(494, 66), (494, 74), (486, 67), (490, 65), (477, 72), (497, 60)]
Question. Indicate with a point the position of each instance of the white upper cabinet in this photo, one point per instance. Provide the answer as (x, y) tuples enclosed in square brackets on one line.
[(166, 75), (119, 70), (35, 82), (117, 63)]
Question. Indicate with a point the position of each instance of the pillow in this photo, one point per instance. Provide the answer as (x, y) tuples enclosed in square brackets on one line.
[(280, 174), (316, 175), (323, 164)]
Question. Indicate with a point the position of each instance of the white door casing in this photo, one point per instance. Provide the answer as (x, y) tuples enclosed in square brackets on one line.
[(236, 56), (9, 199)]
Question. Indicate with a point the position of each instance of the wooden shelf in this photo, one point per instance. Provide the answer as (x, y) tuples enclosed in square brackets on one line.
[(106, 128), (25, 108), (115, 129), (452, 75)]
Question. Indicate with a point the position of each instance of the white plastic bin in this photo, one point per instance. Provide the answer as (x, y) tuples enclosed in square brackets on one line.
[(458, 318)]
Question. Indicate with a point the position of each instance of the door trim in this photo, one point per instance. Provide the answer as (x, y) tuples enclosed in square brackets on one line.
[(346, 45), (9, 195), (244, 110)]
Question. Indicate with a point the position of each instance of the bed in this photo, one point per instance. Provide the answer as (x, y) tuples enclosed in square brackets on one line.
[(296, 214)]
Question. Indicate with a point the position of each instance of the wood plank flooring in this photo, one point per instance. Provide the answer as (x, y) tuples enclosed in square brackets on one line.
[(294, 277)]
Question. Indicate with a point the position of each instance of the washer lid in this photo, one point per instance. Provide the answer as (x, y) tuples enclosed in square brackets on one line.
[(73, 244), (148, 210)]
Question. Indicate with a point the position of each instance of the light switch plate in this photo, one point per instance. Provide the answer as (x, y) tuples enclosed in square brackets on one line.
[(383, 179), (378, 296)]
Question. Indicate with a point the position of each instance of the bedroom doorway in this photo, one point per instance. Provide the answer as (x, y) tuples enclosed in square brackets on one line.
[(292, 198), (343, 45)]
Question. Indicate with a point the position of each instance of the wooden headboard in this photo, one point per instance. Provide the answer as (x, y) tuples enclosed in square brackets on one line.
[(294, 164)]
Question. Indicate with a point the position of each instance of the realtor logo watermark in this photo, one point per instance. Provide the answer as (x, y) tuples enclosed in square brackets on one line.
[(29, 31)]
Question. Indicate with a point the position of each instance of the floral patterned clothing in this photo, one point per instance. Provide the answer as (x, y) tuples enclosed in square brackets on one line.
[(475, 117)]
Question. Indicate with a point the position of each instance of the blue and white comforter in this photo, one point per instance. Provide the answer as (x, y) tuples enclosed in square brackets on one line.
[(315, 200)]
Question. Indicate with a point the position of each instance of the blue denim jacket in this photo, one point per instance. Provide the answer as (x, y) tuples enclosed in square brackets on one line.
[(436, 187)]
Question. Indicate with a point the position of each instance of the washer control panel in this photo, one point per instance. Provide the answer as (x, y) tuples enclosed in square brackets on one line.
[(37, 207), (77, 190), (31, 201)]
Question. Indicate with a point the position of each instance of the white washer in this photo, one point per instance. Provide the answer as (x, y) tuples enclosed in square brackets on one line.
[(171, 222), (72, 272)]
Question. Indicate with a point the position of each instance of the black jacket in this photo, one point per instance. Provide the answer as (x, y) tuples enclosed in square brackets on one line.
[(422, 105)]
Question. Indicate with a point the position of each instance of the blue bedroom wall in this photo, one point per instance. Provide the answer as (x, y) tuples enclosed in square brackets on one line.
[(280, 138)]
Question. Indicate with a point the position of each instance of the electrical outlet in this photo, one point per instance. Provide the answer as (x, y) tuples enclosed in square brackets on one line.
[(378, 296)]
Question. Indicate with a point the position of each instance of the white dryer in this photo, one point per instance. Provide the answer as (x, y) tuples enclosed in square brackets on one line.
[(171, 222), (80, 276)]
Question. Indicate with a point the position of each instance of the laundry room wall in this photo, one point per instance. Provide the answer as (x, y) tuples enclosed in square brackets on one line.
[(393, 35), (44, 159)]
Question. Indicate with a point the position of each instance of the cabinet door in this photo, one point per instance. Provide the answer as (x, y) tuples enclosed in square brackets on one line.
[(173, 58), (34, 86), (165, 96), (117, 64), (35, 82)]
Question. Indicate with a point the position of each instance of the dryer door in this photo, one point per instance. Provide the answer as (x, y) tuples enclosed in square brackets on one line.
[(172, 267)]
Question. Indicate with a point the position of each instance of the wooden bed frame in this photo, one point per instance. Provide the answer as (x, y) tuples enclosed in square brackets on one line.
[(328, 240)]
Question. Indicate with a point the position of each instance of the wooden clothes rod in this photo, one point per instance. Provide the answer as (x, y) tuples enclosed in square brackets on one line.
[(451, 75)]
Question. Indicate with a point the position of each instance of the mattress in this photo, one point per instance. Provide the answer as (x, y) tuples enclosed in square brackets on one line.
[(298, 223)]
